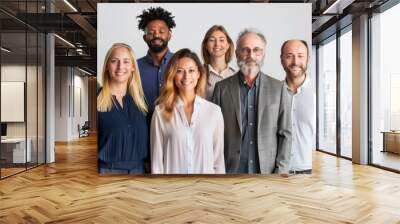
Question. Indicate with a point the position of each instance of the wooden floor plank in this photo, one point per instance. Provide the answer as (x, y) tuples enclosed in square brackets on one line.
[(71, 191)]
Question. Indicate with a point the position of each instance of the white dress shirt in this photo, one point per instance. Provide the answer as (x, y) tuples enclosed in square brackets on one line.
[(214, 77), (303, 125), (180, 147)]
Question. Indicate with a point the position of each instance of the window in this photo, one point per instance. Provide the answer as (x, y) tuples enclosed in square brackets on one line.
[(327, 96), (346, 75), (385, 89)]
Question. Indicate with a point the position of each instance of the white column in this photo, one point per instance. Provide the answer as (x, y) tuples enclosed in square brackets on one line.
[(50, 98), (360, 90), (50, 92)]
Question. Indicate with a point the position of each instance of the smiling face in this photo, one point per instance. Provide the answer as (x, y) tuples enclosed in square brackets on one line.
[(120, 66), (157, 35), (187, 75), (294, 58), (250, 54), (217, 44)]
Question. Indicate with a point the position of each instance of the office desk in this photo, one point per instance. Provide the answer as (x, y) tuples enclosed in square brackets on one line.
[(16, 147), (391, 141)]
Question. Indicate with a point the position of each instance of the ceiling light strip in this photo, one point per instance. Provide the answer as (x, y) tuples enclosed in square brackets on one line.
[(84, 71), (65, 41), (5, 49), (326, 11), (70, 5)]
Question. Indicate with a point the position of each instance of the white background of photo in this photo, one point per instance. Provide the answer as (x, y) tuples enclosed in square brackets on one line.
[(117, 22)]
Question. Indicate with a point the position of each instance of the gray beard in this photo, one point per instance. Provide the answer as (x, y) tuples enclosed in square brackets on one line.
[(249, 71)]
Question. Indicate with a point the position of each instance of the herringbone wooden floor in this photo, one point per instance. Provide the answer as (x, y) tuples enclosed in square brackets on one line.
[(71, 191)]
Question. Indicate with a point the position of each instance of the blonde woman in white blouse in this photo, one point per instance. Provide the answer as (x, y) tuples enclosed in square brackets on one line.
[(187, 131)]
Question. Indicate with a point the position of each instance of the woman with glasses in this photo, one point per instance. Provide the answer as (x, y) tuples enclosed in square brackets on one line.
[(187, 132), (121, 111), (217, 50)]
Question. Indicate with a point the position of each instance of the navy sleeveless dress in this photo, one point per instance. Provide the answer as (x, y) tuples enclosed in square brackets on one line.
[(122, 140)]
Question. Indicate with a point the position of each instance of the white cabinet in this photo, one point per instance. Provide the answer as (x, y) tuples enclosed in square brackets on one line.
[(18, 149)]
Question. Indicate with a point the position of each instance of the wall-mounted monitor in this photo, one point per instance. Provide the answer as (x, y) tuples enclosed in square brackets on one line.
[(12, 101)]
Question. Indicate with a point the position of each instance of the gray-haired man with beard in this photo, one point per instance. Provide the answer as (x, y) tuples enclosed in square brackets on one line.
[(256, 113)]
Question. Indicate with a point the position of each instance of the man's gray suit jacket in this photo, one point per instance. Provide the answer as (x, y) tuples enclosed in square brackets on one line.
[(274, 137)]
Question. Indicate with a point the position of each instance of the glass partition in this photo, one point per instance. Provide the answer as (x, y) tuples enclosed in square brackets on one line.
[(41, 86), (22, 64), (13, 103), (31, 97), (327, 96)]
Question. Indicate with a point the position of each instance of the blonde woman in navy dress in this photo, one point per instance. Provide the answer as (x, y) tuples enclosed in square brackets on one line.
[(121, 111)]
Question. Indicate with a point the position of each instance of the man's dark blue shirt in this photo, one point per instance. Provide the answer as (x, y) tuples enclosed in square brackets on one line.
[(152, 77)]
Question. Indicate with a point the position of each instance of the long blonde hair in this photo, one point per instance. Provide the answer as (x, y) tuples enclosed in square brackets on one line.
[(170, 92), (134, 85)]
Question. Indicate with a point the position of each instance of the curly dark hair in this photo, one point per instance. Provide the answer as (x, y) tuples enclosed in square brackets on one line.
[(155, 14)]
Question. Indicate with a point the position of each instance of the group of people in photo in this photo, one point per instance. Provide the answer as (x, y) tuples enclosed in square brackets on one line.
[(173, 113)]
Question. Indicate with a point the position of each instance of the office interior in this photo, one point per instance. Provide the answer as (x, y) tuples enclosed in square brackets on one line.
[(48, 80)]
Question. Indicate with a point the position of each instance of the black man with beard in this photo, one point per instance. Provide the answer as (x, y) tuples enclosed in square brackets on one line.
[(156, 24)]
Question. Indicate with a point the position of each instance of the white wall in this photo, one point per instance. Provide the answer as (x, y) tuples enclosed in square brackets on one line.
[(61, 103), (34, 123), (12, 73), (79, 117), (70, 83), (278, 22)]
